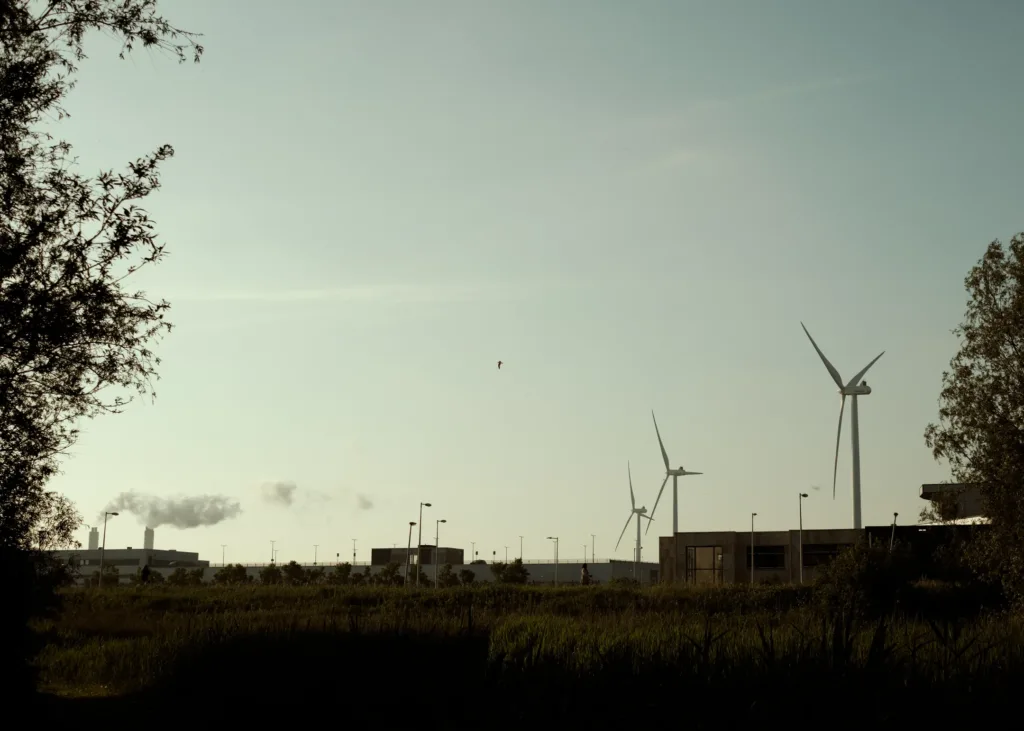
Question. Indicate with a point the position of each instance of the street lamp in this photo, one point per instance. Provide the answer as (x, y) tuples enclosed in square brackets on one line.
[(408, 551), (555, 539), (272, 551), (103, 549), (222, 547), (520, 548), (354, 552), (892, 536), (592, 538), (506, 554), (800, 500), (437, 545), (315, 547), (419, 543), (472, 552), (752, 516)]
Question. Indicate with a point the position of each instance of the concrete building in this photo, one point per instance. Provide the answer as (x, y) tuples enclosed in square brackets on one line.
[(427, 554), (725, 557), (968, 500), (129, 560)]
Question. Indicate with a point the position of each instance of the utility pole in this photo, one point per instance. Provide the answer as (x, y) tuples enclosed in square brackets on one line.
[(592, 539), (892, 536), (520, 548), (437, 546), (103, 549), (801, 502), (353, 553), (315, 547), (506, 554), (555, 539), (222, 547), (419, 543), (408, 552), (272, 551), (752, 516)]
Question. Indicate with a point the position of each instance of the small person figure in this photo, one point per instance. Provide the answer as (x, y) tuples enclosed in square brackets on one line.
[(584, 576), (145, 574)]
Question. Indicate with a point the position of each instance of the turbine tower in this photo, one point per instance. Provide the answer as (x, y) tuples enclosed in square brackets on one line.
[(675, 474), (854, 388), (640, 512)]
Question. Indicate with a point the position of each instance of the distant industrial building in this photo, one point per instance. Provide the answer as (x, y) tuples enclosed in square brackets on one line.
[(726, 557), (428, 556), (969, 503), (129, 560)]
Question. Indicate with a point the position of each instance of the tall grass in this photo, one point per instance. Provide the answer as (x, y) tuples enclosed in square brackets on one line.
[(585, 642)]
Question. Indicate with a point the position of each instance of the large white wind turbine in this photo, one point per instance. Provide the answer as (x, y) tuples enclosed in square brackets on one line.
[(675, 474), (856, 387), (640, 512)]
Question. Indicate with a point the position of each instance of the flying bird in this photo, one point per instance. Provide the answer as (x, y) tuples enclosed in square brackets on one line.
[(499, 365)]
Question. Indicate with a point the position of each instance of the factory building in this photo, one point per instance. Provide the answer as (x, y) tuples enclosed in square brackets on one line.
[(129, 560), (777, 556), (428, 555)]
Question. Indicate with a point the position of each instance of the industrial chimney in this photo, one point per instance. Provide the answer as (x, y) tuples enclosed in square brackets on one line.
[(94, 539), (147, 540)]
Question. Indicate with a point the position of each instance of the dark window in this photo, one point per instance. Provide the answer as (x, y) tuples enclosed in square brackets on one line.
[(768, 557), (818, 554), (704, 564)]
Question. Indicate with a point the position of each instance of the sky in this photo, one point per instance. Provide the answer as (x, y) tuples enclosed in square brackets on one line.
[(633, 205)]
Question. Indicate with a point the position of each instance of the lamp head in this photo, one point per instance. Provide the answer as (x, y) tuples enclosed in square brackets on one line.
[(412, 522), (442, 521), (111, 513), (803, 494), (426, 505)]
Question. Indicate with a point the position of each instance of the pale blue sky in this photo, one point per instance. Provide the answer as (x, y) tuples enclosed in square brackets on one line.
[(632, 204)]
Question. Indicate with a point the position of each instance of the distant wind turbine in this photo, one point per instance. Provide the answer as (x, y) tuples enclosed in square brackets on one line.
[(854, 388), (675, 474), (640, 512)]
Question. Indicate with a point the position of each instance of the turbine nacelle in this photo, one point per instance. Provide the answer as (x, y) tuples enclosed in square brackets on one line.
[(862, 390)]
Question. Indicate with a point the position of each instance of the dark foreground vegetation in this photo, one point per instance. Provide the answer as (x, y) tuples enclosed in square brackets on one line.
[(496, 656)]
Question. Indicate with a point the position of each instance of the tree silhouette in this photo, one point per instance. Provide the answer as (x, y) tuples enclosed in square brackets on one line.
[(980, 432)]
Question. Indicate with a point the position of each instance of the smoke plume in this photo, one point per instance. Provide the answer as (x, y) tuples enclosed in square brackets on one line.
[(364, 502), (280, 493), (179, 512)]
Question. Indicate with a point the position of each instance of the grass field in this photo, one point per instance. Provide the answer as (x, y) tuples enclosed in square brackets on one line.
[(443, 658)]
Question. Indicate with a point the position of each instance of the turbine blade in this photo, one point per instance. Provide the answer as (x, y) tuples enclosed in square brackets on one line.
[(663, 483), (632, 499), (693, 473), (649, 521), (856, 379), (839, 432), (831, 369), (664, 454), (623, 531)]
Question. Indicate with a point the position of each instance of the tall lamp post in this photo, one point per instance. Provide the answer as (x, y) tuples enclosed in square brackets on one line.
[(437, 545), (103, 549), (752, 516), (419, 543), (520, 548), (354, 552), (800, 500), (555, 539), (892, 535), (223, 546), (408, 552), (272, 551), (592, 539), (315, 547)]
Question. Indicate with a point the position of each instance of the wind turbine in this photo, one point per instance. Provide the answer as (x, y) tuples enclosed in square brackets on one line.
[(640, 512), (675, 474), (854, 388)]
